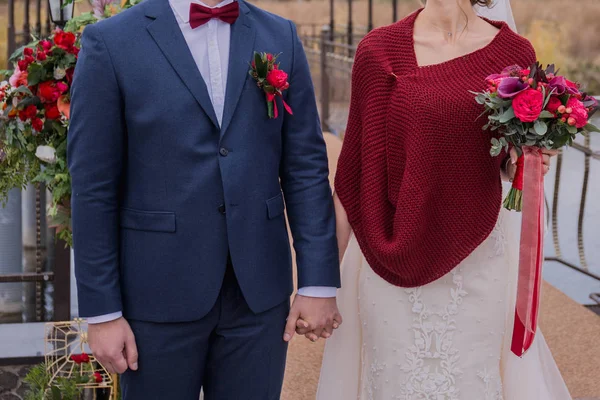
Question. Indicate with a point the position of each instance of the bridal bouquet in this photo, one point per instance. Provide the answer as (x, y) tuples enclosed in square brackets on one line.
[(533, 108)]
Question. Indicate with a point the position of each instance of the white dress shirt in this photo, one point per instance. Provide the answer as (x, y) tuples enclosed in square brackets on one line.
[(209, 45)]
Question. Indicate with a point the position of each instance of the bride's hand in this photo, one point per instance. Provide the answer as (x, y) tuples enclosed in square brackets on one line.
[(511, 163)]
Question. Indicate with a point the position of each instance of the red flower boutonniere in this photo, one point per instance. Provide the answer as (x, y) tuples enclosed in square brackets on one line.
[(272, 80)]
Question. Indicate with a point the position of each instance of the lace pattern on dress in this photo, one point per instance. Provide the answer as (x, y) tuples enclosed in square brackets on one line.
[(432, 361)]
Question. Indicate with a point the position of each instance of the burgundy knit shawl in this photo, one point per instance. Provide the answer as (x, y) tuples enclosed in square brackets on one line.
[(415, 175)]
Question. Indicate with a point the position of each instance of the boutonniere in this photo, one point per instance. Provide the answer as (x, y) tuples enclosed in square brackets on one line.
[(272, 80)]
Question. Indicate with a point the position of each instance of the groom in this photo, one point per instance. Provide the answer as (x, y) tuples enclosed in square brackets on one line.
[(179, 178)]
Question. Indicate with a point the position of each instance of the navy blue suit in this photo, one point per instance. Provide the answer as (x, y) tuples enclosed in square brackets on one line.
[(163, 195)]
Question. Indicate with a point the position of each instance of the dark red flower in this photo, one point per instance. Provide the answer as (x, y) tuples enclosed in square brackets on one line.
[(553, 105), (52, 111), (50, 91), (278, 79), (37, 124), (269, 57), (41, 56), (528, 105), (28, 113), (23, 64), (85, 358), (97, 377), (28, 51), (64, 40), (69, 75)]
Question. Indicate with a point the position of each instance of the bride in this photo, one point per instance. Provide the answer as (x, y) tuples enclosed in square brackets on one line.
[(429, 265)]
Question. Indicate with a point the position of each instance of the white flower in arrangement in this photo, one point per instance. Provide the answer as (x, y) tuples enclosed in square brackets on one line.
[(3, 84), (46, 154), (15, 102), (59, 73)]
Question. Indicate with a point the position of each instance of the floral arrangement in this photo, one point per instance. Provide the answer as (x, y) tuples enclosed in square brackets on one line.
[(534, 107), (34, 114), (41, 386), (271, 79)]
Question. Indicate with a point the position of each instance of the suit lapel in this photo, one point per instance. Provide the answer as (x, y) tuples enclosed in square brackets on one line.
[(241, 50), (167, 34)]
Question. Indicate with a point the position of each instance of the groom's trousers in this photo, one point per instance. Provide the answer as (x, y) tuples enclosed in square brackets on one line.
[(232, 353)]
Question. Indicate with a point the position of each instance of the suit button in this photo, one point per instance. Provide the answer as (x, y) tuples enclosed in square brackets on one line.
[(222, 209), (224, 152)]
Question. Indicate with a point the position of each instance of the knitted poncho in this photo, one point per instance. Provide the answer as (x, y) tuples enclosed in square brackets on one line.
[(415, 175)]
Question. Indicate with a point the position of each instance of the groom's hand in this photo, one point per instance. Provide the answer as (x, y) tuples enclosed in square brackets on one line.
[(113, 344), (318, 316)]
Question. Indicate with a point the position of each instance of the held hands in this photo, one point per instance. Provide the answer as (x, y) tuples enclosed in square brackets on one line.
[(113, 344), (511, 163), (313, 317)]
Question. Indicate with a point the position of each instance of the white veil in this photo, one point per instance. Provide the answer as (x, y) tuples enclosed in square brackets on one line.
[(499, 11)]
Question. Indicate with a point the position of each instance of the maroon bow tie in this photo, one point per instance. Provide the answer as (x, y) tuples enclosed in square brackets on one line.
[(199, 14)]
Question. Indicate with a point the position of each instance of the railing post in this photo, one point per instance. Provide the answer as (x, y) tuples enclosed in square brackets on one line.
[(38, 19), (394, 11), (62, 282), (350, 29), (370, 17), (26, 27), (331, 20), (325, 34), (11, 30)]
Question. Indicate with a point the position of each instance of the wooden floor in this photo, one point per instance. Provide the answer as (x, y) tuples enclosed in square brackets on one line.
[(572, 332)]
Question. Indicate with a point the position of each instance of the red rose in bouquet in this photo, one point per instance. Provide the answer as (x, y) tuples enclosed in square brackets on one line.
[(528, 105)]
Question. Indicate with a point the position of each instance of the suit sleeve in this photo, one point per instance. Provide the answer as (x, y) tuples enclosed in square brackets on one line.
[(304, 179), (95, 156)]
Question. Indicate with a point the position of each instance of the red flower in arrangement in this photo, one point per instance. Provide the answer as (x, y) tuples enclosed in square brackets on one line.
[(69, 75), (28, 51), (46, 45), (80, 358), (37, 124), (278, 79), (28, 112), (97, 377), (41, 56), (553, 105), (64, 40), (50, 91), (52, 111), (528, 105), (578, 113), (271, 79), (25, 63)]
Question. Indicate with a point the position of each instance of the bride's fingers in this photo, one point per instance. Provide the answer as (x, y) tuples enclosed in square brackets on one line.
[(301, 324), (546, 169), (312, 336), (337, 321)]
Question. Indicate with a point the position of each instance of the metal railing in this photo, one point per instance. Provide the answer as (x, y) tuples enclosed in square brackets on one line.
[(331, 66), (41, 27)]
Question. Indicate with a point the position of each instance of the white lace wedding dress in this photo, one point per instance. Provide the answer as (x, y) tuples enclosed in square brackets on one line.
[(448, 340)]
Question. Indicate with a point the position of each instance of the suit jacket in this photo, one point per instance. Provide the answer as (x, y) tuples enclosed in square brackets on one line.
[(162, 194)]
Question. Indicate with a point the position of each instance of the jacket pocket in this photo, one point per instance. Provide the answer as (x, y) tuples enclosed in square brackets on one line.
[(275, 206), (153, 221)]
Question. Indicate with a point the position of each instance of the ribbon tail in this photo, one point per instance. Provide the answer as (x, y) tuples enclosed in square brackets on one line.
[(287, 107), (275, 112), (530, 254)]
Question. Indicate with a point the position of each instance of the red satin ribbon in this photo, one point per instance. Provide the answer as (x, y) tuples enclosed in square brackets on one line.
[(271, 97), (531, 251)]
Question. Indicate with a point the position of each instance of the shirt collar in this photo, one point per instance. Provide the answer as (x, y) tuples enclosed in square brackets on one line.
[(182, 7)]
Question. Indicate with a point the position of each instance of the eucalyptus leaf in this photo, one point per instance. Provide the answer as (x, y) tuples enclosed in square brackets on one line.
[(507, 116), (540, 127), (546, 114), (572, 129)]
